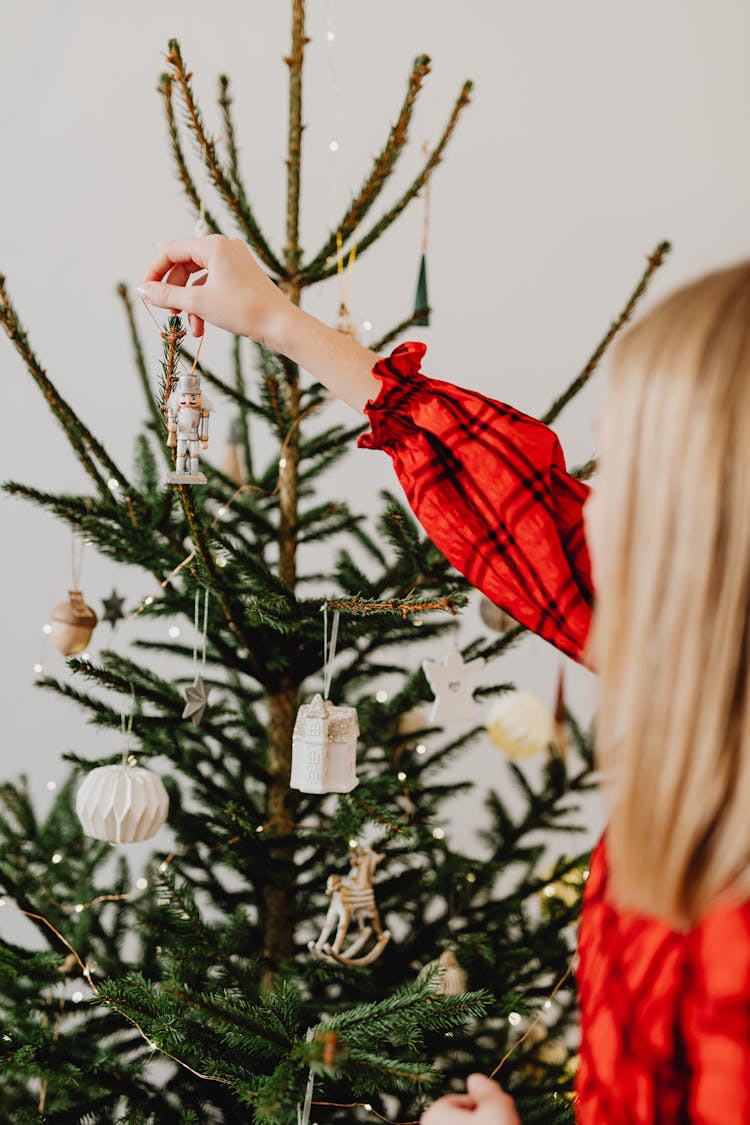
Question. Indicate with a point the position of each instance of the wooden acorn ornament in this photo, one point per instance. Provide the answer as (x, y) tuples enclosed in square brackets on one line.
[(72, 624)]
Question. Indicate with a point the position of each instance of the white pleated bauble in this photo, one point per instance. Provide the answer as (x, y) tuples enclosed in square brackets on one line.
[(122, 804), (520, 724)]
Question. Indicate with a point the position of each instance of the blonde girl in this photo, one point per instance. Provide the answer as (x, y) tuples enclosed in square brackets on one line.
[(664, 944)]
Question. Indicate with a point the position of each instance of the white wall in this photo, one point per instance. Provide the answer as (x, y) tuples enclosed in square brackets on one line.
[(596, 130)]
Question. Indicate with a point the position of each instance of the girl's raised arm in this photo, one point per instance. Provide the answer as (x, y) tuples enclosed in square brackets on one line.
[(487, 483), (217, 279)]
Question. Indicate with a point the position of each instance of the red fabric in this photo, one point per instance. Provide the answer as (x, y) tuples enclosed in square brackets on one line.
[(488, 484), (665, 1015)]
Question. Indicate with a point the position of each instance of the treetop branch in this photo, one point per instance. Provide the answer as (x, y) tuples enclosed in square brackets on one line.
[(383, 166), (391, 215), (240, 210)]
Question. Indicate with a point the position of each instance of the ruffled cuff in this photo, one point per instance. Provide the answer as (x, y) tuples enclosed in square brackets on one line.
[(390, 411)]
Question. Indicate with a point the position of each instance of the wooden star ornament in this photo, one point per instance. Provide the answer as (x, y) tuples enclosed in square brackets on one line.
[(196, 696), (113, 608), (454, 684)]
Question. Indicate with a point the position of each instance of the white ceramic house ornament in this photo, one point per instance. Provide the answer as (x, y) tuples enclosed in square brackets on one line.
[(122, 804), (324, 748)]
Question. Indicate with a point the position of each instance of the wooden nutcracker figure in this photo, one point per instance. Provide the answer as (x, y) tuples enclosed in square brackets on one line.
[(188, 411)]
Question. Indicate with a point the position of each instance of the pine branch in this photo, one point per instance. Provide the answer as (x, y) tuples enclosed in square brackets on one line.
[(183, 173), (241, 420), (416, 317), (391, 215), (292, 250), (655, 260), (83, 442), (241, 212), (383, 166)]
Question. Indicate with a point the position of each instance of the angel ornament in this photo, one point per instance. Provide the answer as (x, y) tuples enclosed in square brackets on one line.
[(352, 899), (188, 410)]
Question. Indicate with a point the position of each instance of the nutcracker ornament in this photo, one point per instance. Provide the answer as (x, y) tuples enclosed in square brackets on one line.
[(188, 411)]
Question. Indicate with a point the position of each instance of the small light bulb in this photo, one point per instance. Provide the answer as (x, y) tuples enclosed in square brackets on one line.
[(52, 786), (334, 146), (113, 484), (438, 833), (330, 36), (401, 775), (79, 908), (221, 561), (85, 656), (382, 697), (259, 829), (7, 1039), (586, 874), (222, 511), (471, 877), (417, 622), (174, 630), (549, 891), (47, 629), (367, 325), (366, 1106), (163, 867), (282, 462), (547, 1005), (57, 858), (38, 668), (421, 749), (141, 884), (354, 842), (77, 997), (148, 601), (514, 1019)]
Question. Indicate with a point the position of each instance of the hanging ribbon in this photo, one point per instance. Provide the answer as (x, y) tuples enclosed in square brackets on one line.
[(196, 633), (303, 1114), (329, 653)]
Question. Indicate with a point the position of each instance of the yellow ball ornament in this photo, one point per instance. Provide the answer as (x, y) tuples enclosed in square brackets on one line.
[(520, 724)]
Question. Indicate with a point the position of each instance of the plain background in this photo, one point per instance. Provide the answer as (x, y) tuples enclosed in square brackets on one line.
[(595, 130)]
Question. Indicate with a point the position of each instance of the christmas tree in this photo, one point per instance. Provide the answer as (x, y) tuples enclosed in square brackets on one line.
[(191, 993)]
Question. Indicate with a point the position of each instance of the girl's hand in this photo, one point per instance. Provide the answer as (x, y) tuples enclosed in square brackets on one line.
[(235, 293), (484, 1103)]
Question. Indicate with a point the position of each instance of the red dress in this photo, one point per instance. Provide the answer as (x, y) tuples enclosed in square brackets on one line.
[(665, 1015)]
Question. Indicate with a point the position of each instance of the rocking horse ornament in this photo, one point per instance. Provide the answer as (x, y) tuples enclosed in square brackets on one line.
[(352, 900)]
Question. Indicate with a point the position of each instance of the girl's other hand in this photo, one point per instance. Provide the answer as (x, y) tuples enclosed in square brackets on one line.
[(484, 1103), (232, 291)]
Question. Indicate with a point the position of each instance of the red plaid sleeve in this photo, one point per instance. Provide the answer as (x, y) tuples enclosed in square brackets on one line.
[(489, 486)]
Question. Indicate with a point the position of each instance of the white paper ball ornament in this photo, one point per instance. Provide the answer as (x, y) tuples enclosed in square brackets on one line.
[(122, 804), (520, 724)]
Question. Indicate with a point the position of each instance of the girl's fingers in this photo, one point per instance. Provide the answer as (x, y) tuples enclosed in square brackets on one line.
[(481, 1088), (166, 296), (194, 250)]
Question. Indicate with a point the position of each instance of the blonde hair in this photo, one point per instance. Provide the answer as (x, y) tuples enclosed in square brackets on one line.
[(670, 632)]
